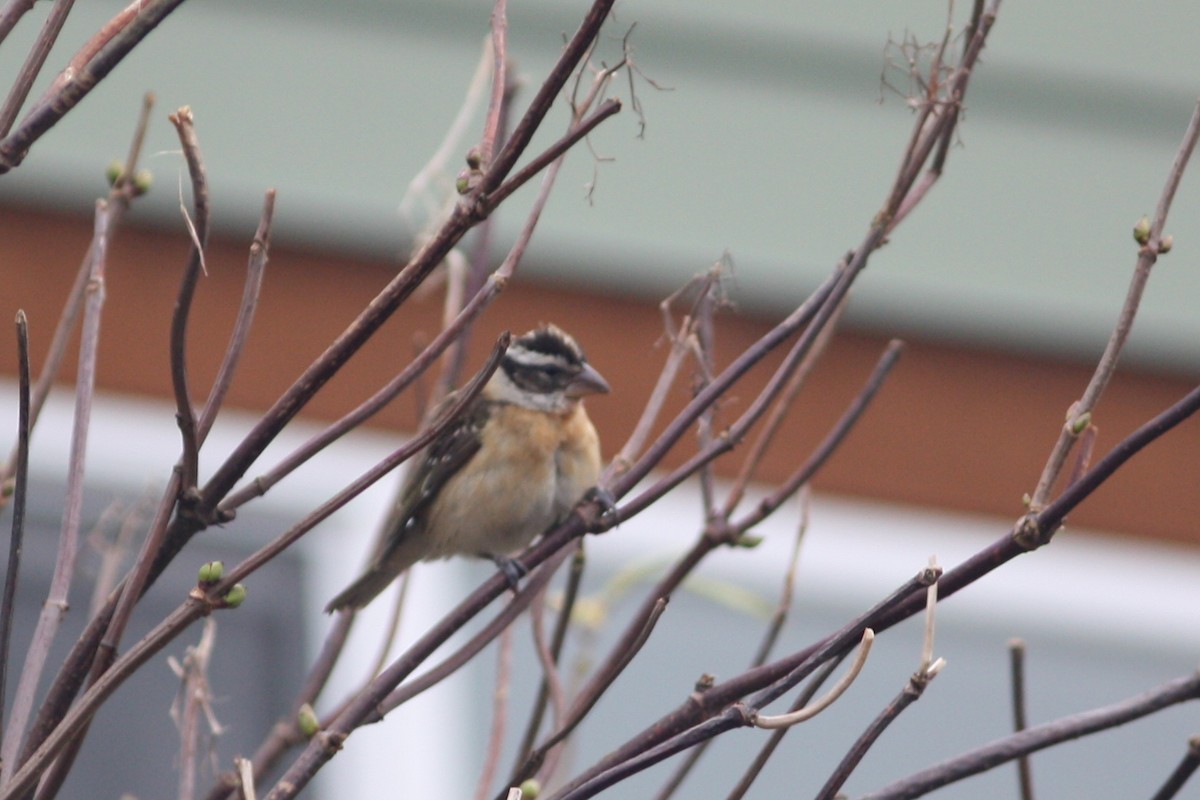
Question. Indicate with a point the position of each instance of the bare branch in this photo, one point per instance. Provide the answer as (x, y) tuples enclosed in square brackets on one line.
[(56, 603), (33, 64), (1179, 776), (91, 65), (1039, 737), (1016, 652), (19, 491), (1080, 413)]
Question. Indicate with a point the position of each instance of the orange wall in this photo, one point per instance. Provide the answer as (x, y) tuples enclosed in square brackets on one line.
[(954, 427)]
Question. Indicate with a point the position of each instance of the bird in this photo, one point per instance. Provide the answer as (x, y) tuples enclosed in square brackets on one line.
[(518, 459)]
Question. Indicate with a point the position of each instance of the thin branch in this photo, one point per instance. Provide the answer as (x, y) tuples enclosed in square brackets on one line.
[(495, 112), (1039, 737), (1016, 653), (719, 709), (831, 442), (286, 731), (185, 414), (1080, 412), (33, 64), (56, 604), (770, 637), (89, 703), (11, 14), (459, 658), (1179, 776), (119, 199), (550, 686), (20, 490), (491, 759), (778, 414), (91, 65), (255, 268), (523, 133), (194, 697), (760, 759)]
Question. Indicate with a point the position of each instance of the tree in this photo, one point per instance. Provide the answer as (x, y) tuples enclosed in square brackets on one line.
[(40, 743)]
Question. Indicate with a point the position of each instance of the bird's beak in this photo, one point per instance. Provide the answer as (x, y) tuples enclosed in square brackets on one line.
[(589, 381)]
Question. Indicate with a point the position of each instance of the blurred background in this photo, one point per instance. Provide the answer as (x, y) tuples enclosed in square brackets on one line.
[(769, 133)]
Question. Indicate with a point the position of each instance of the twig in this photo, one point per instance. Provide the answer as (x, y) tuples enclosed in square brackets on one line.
[(586, 700), (381, 308), (778, 414), (119, 199), (770, 637), (20, 490), (1179, 776), (522, 134), (185, 414), (11, 14), (491, 759), (456, 660), (1016, 653), (718, 709), (1080, 412), (245, 772), (1039, 737), (676, 356), (286, 732), (194, 698), (56, 603), (830, 443), (90, 66), (927, 670), (760, 759), (197, 606), (551, 687), (255, 268), (33, 64), (495, 113)]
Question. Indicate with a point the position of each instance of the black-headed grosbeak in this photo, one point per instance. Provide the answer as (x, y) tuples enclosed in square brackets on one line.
[(518, 460)]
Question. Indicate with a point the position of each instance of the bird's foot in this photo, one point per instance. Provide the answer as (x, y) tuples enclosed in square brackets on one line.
[(513, 569)]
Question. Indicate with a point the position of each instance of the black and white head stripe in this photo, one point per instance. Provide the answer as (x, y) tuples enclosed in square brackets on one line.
[(543, 361)]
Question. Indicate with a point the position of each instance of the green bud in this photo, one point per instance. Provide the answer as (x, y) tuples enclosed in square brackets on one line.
[(1026, 500), (1166, 243), (142, 181), (530, 789), (114, 171), (211, 572), (235, 596), (306, 718), (1141, 231), (463, 184), (1081, 422), (748, 541), (474, 158)]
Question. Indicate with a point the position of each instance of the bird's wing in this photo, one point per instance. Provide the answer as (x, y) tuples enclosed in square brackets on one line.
[(443, 457)]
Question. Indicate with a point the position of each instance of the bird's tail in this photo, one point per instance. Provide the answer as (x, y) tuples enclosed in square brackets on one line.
[(362, 591)]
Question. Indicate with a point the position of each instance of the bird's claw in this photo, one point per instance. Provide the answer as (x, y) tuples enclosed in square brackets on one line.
[(513, 570)]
